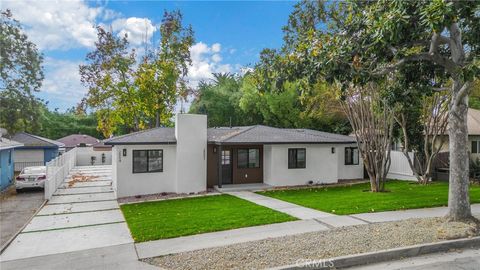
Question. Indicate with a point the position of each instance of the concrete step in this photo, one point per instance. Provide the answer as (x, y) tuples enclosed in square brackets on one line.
[(82, 198), (44, 223), (68, 208), (73, 190)]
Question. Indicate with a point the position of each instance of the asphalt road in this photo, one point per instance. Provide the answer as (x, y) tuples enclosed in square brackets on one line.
[(16, 210), (466, 259)]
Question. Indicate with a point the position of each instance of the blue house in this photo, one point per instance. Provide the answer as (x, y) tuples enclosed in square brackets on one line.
[(36, 150), (6, 161)]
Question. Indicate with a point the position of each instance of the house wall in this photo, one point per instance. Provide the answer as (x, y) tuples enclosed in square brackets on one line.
[(321, 166), (6, 168), (191, 156), (49, 154), (131, 184), (347, 172), (84, 156)]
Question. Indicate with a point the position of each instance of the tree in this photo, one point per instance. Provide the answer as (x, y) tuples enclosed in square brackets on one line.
[(361, 41), (372, 122), (109, 76), (21, 76), (161, 77), (219, 100)]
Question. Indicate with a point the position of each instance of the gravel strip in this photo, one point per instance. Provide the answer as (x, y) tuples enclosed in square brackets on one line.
[(162, 196), (317, 245)]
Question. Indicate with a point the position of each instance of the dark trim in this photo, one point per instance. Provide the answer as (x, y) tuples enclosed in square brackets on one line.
[(353, 161), (248, 157), (219, 165), (147, 150), (296, 158), (138, 143)]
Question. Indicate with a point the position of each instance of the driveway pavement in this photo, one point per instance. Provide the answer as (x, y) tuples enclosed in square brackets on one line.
[(83, 214), (16, 210)]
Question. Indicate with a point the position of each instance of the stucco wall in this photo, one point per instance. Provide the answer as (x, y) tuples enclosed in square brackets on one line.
[(131, 184), (346, 172), (84, 156), (191, 135), (321, 166)]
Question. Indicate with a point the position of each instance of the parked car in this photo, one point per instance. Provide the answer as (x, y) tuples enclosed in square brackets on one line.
[(31, 177)]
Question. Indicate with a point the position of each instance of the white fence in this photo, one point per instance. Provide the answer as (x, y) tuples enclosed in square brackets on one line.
[(57, 170), (87, 156), (399, 168)]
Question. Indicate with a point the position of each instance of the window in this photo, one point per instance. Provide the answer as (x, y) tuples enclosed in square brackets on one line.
[(147, 161), (297, 158), (226, 157), (475, 146), (10, 157), (248, 158), (351, 155)]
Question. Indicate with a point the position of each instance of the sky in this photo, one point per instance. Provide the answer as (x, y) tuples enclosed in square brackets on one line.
[(229, 35)]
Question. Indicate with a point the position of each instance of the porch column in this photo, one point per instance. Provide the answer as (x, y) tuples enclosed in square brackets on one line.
[(219, 155)]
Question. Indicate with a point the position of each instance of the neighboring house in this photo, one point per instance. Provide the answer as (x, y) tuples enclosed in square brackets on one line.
[(6, 161), (190, 157), (400, 169), (36, 150), (77, 140)]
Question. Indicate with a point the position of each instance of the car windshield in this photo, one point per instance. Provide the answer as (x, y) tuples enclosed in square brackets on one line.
[(34, 170)]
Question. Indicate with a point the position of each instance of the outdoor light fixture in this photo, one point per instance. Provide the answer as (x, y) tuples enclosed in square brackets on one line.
[(124, 152), (333, 150), (214, 149)]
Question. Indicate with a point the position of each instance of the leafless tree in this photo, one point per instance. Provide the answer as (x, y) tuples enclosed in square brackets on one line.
[(372, 123), (434, 119)]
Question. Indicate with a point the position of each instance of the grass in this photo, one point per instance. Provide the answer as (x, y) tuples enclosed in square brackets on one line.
[(173, 218), (344, 200)]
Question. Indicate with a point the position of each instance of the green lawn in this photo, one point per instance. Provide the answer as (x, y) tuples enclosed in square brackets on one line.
[(172, 218), (352, 199)]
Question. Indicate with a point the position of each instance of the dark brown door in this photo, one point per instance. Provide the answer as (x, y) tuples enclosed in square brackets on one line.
[(227, 166)]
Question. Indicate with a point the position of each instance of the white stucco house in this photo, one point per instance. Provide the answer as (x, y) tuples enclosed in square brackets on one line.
[(191, 157)]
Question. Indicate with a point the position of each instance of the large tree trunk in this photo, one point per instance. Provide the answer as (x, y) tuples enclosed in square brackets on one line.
[(458, 195)]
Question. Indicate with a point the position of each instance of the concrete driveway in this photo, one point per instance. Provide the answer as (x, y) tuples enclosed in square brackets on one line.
[(83, 214), (16, 210)]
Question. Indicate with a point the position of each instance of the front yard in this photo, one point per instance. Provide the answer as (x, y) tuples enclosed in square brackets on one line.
[(180, 217), (344, 200)]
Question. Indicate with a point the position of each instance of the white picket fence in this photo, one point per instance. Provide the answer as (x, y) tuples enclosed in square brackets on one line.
[(57, 170), (399, 168)]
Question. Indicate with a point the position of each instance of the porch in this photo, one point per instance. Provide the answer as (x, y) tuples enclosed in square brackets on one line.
[(242, 187)]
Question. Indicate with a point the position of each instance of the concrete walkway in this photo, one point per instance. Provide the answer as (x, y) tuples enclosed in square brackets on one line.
[(80, 216), (298, 211)]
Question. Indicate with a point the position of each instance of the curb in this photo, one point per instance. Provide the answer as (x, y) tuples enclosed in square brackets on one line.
[(383, 255)]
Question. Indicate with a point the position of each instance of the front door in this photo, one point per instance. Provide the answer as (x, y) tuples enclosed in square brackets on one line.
[(226, 166)]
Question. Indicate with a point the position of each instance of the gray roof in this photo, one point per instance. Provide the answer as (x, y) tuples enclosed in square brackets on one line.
[(237, 135), (8, 144), (271, 135), (30, 140), (161, 135), (74, 140)]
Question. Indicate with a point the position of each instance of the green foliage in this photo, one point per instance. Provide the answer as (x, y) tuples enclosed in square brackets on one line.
[(55, 125), (346, 200), (129, 95), (173, 218), (21, 75)]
